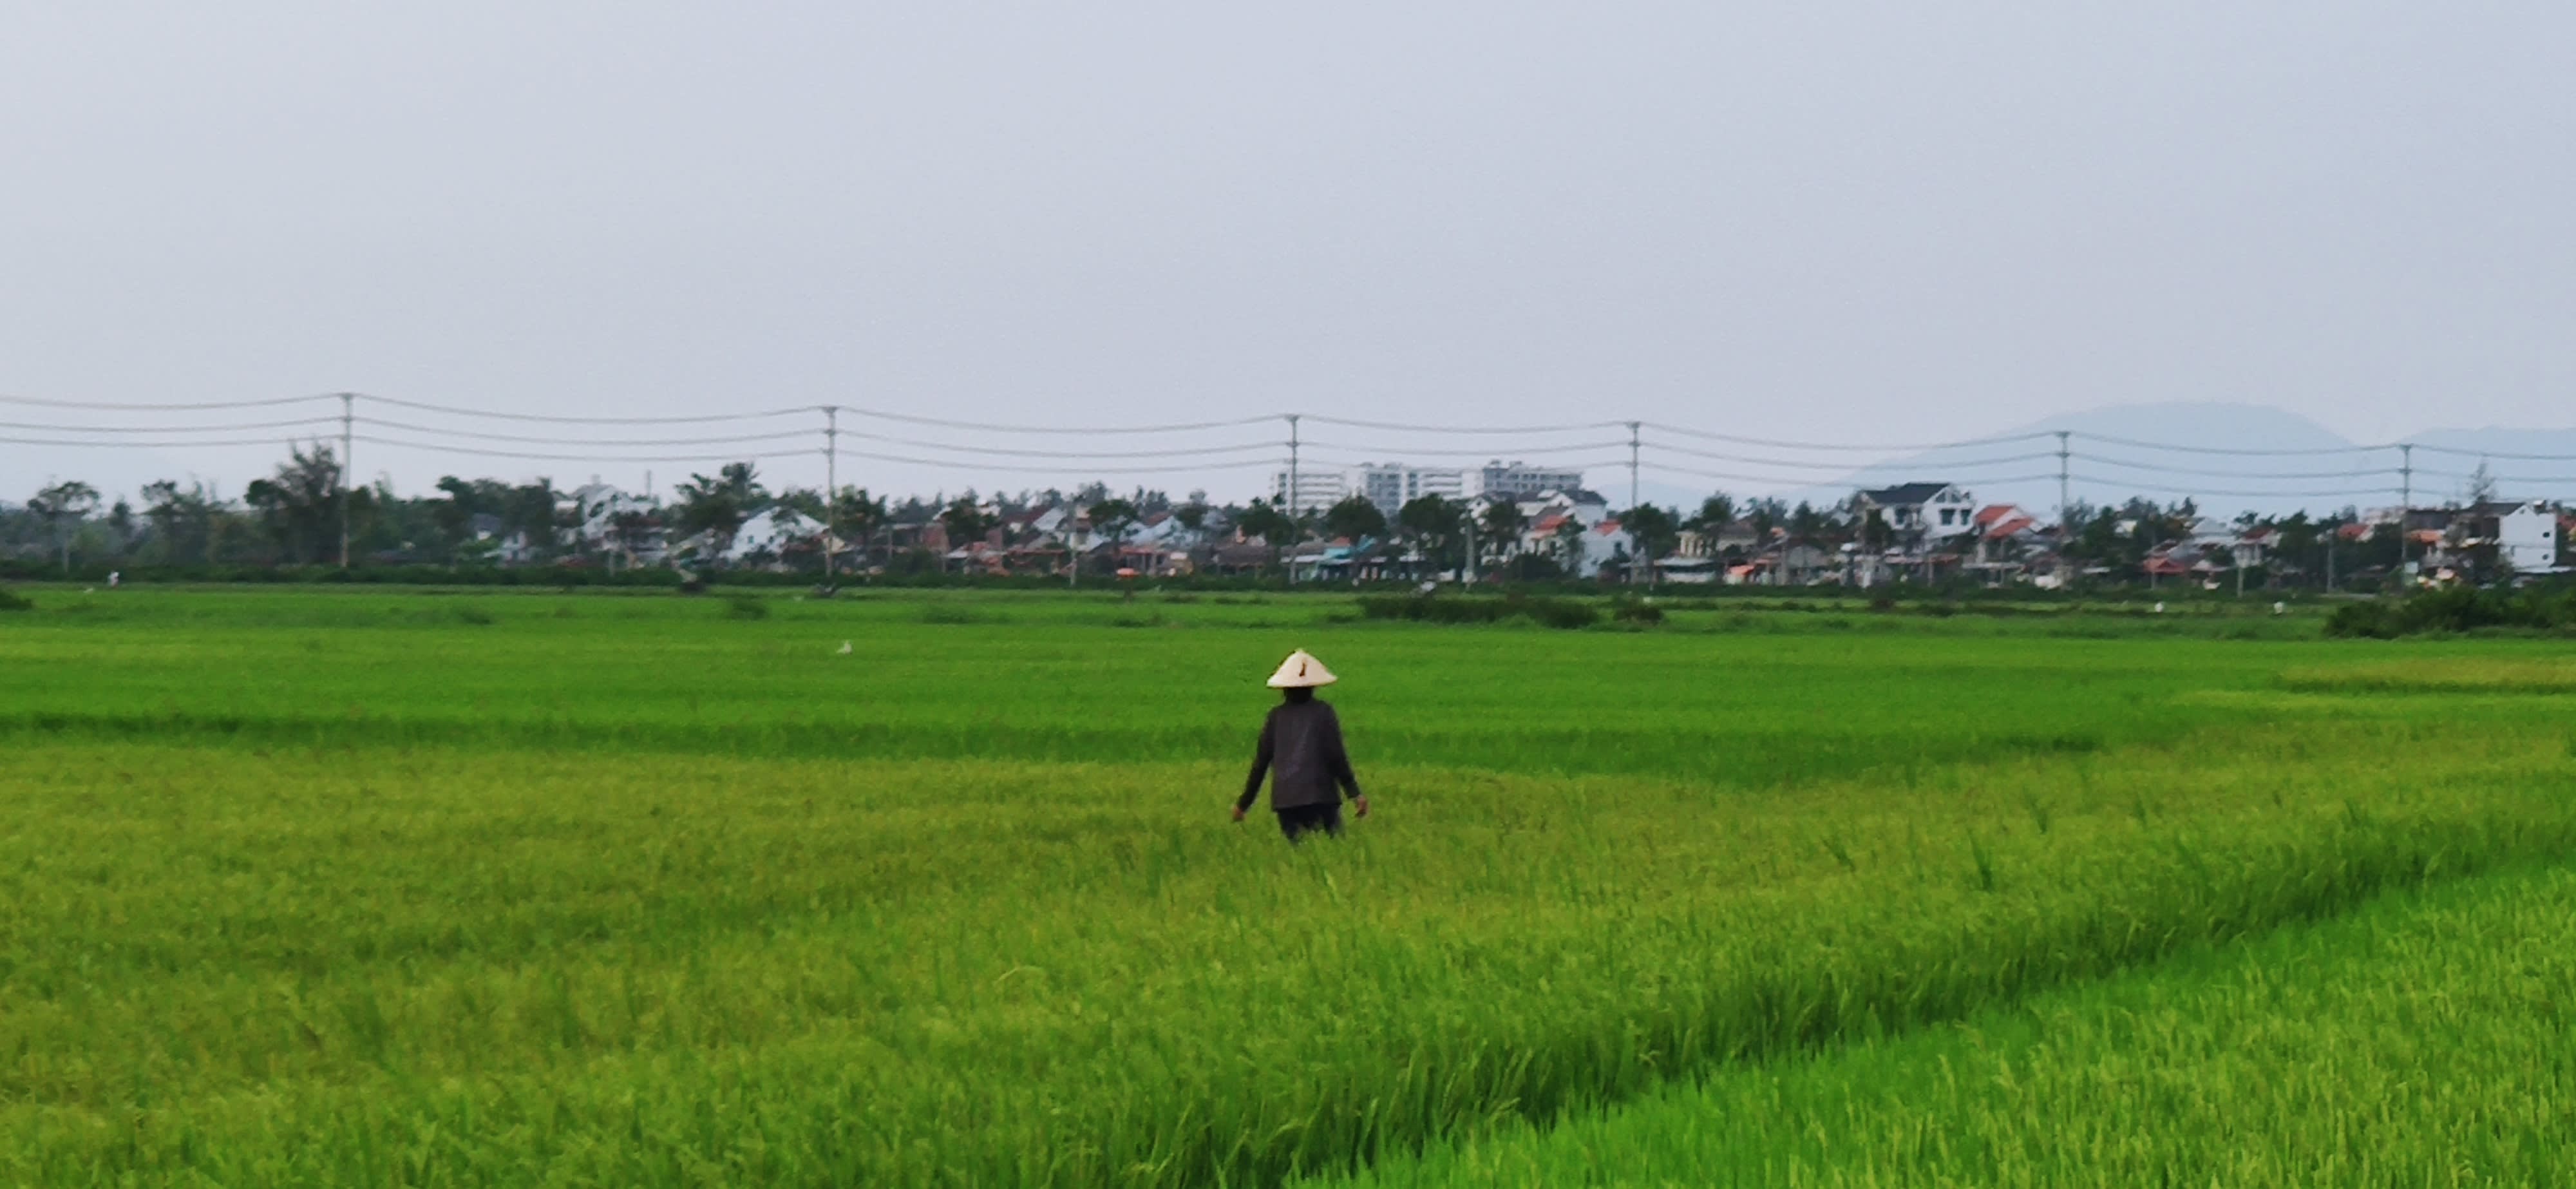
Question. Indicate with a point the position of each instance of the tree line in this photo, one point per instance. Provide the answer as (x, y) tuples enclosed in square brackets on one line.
[(298, 515)]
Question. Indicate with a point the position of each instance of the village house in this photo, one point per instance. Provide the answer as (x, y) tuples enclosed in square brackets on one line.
[(2006, 538), (1605, 546), (1694, 559), (616, 523), (2516, 536), (771, 537), (1920, 512), (1788, 561)]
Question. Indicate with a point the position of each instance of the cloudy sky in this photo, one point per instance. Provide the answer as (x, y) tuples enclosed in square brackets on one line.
[(1895, 222)]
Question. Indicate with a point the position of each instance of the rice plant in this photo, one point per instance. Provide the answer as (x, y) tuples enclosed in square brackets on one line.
[(318, 888), (2420, 1041)]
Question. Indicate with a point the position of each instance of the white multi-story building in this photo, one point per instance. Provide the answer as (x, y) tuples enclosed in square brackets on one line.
[(1317, 489), (1517, 479), (596, 509), (2524, 533), (1393, 485)]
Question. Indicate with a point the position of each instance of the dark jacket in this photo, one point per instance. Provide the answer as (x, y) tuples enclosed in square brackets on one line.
[(1301, 747)]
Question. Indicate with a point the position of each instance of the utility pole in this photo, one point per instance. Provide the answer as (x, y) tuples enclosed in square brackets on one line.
[(348, 404), (2405, 499), (1292, 497), (1635, 560), (831, 486), (1632, 464), (2065, 505)]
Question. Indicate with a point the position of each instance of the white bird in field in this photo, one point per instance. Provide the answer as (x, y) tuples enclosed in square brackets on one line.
[(845, 648)]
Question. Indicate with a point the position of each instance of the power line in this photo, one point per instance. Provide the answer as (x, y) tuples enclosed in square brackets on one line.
[(1393, 451), (1188, 452), (1593, 464), (1474, 429), (167, 429), (2466, 453), (989, 427), (2344, 493), (700, 419), (2471, 477), (133, 445), (1808, 481), (1845, 447), (482, 452), (1947, 464), (2189, 449), (2228, 474), (103, 407), (781, 435), (1761, 461), (1032, 469), (815, 452)]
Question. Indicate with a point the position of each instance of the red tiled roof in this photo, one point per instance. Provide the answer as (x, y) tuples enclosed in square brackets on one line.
[(1994, 512)]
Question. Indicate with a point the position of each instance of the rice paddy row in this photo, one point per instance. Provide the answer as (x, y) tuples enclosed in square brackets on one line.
[(2422, 1041), (560, 901)]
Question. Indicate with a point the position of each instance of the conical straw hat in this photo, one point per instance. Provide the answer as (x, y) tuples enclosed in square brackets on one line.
[(1301, 669)]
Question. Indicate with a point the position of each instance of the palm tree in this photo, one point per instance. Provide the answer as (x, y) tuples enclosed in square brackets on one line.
[(719, 506), (535, 510), (1503, 519), (1654, 532), (1355, 517), (65, 504), (1264, 520), (1715, 513), (1431, 521), (182, 519), (855, 513), (1114, 519), (301, 503), (965, 521), (631, 532), (1569, 544)]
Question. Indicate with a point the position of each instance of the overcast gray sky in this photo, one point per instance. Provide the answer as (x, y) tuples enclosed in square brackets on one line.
[(1899, 221)]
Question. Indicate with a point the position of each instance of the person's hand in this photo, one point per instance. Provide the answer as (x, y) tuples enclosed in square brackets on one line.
[(1359, 805), (1238, 813)]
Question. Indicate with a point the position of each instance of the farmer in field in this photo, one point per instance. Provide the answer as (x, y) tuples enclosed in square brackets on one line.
[(1301, 751)]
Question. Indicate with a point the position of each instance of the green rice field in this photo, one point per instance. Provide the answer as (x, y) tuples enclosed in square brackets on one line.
[(415, 887)]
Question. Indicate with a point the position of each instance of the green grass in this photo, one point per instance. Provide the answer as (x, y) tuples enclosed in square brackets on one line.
[(320, 887), (2421, 1041), (950, 675)]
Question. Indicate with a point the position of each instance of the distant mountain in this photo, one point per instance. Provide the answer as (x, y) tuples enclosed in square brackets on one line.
[(2242, 458), (2224, 457)]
